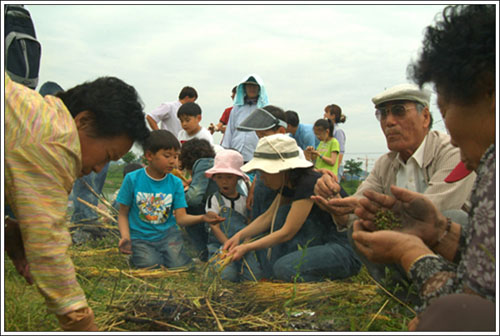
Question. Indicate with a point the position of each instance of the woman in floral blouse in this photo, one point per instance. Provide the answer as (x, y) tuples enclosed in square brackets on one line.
[(448, 262)]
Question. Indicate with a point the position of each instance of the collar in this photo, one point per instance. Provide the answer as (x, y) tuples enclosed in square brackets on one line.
[(230, 198), (418, 156)]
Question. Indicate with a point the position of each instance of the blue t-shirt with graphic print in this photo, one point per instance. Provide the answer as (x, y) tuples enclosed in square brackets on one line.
[(151, 203)]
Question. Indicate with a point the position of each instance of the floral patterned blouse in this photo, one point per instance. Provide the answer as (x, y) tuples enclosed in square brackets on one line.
[(473, 270)]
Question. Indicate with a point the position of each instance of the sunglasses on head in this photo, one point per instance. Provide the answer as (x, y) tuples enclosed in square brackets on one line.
[(397, 111)]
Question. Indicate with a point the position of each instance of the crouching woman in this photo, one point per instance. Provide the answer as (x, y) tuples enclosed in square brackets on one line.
[(301, 241)]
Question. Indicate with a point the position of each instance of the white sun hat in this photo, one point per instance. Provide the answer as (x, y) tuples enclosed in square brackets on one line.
[(276, 153)]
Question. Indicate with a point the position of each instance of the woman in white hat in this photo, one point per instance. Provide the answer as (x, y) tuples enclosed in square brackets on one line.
[(293, 220)]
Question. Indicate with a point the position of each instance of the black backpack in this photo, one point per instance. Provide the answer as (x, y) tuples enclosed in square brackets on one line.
[(22, 50)]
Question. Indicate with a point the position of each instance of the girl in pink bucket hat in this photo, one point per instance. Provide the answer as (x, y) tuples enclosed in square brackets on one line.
[(227, 161), (229, 203)]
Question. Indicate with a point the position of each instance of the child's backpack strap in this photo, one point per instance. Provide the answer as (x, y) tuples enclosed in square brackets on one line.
[(234, 220), (209, 201), (22, 50), (246, 215), (219, 199)]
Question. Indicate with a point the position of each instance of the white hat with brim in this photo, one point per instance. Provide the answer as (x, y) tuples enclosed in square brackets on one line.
[(276, 153), (409, 92)]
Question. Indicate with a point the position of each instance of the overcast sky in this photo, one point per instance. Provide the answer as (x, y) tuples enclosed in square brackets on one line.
[(308, 56)]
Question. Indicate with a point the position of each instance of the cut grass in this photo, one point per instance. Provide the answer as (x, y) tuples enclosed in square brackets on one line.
[(187, 300), (198, 301)]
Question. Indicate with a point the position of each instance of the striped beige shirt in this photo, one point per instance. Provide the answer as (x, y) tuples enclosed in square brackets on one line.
[(42, 160)]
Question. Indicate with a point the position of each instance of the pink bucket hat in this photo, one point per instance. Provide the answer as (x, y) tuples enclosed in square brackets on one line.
[(227, 161)]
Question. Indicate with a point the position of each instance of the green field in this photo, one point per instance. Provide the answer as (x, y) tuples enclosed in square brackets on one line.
[(197, 300), (114, 179), (115, 176)]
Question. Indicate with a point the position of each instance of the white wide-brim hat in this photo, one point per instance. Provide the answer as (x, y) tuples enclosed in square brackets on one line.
[(276, 153)]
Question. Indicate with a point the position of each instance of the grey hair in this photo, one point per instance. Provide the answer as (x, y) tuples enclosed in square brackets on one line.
[(420, 107)]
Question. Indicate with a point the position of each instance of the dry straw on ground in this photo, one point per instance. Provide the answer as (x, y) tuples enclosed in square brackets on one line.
[(236, 307), (196, 299)]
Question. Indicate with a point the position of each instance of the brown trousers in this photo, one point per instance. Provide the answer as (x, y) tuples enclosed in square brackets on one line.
[(458, 312)]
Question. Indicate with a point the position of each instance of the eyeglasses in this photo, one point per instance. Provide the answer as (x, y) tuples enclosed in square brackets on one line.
[(397, 111)]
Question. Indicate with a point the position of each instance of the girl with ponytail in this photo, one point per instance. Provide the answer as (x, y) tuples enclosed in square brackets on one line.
[(326, 155), (334, 113)]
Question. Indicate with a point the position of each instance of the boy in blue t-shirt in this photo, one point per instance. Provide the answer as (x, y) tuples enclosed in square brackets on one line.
[(149, 199)]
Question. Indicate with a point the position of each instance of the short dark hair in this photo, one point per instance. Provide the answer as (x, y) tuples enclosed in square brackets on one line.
[(334, 109), (234, 89), (195, 149), (115, 107), (160, 139), (189, 109), (188, 91), (292, 118), (458, 53), (130, 167), (325, 124)]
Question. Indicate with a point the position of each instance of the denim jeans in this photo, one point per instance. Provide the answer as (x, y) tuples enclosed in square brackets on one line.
[(316, 263), (96, 181), (238, 270), (168, 251), (9, 212), (327, 251), (196, 196), (201, 186), (197, 233)]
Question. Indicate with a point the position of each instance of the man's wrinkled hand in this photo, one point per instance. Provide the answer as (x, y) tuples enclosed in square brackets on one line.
[(379, 246), (417, 213), (326, 186)]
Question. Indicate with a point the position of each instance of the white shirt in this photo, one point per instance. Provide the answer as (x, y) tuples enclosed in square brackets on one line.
[(166, 113), (239, 204), (411, 175), (203, 133)]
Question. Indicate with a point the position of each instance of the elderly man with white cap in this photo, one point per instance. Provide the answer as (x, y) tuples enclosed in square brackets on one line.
[(419, 160)]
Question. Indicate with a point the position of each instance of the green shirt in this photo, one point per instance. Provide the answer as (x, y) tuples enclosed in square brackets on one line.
[(326, 149)]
